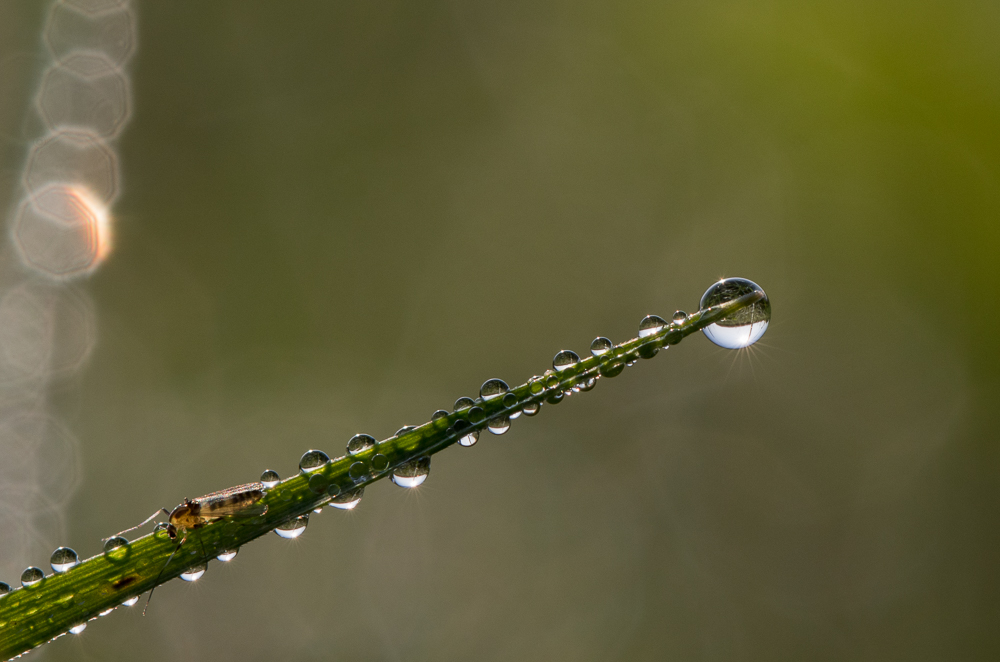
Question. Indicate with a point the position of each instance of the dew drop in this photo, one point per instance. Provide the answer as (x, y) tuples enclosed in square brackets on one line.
[(464, 403), (612, 369), (404, 430), (631, 362), (131, 601), (680, 316), (601, 346), (270, 478), (536, 385), (348, 500), (77, 629), (744, 327), (551, 381), (565, 359), (359, 443), (476, 415), (589, 384), (194, 573), (63, 559), (380, 462), (469, 439), (32, 576), (161, 527), (531, 408), (106, 612), (439, 414), (293, 528), (498, 424), (650, 350), (514, 414), (412, 473), (651, 324), (318, 483), (228, 555), (493, 388), (509, 400), (358, 470), (312, 460), (4, 588), (114, 544), (554, 399)]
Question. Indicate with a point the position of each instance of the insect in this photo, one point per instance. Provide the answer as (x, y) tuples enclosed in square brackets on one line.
[(241, 501)]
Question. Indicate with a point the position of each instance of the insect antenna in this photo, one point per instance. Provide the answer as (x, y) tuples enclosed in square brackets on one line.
[(157, 582), (141, 524)]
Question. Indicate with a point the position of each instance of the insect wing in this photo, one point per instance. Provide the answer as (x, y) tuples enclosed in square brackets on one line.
[(239, 501)]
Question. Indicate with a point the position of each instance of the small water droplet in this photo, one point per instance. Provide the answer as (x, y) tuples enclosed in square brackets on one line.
[(565, 360), (31, 576), (312, 460), (589, 384), (77, 629), (493, 388), (680, 316), (536, 385), (514, 414), (359, 443), (358, 470), (4, 588), (106, 612), (611, 370), (439, 414), (161, 527), (649, 351), (115, 546), (317, 511), (744, 327), (551, 381), (380, 462), (476, 415), (498, 424), (650, 325), (293, 528), (412, 473), (131, 601), (509, 400), (348, 500), (601, 346), (555, 398), (318, 483), (63, 559), (464, 403), (404, 430), (531, 408), (194, 573), (631, 362), (270, 478), (228, 555), (469, 439)]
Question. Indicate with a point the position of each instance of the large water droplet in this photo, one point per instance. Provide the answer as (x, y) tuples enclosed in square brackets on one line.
[(493, 388), (498, 424), (4, 588), (228, 555), (293, 528), (270, 478), (194, 573), (601, 346), (131, 601), (359, 443), (348, 500), (469, 439), (412, 473), (565, 359), (63, 559), (78, 628), (464, 403), (650, 325), (31, 576), (312, 460), (439, 414), (744, 327), (114, 544), (531, 408)]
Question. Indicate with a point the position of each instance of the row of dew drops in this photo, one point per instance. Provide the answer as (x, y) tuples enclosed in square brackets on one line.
[(414, 472)]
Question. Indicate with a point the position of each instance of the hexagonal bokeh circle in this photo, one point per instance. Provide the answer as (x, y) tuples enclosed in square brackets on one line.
[(111, 33), (61, 233), (73, 156), (85, 90)]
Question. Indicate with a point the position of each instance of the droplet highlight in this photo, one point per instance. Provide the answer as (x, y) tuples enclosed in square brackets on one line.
[(312, 460), (293, 528), (194, 573), (131, 601), (412, 473), (77, 629), (63, 559), (744, 327)]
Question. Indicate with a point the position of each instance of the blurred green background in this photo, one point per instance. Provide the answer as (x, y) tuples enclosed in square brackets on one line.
[(339, 217)]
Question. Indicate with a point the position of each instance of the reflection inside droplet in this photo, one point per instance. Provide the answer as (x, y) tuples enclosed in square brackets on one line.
[(744, 327)]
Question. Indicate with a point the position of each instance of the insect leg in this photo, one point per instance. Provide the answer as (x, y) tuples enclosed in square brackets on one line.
[(157, 582), (142, 523)]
